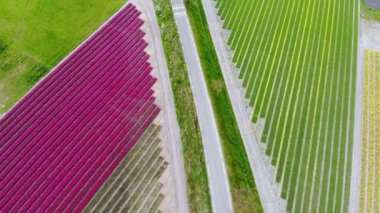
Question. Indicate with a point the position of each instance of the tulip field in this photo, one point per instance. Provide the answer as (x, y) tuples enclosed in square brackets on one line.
[(297, 63), (61, 142), (370, 175), (135, 185)]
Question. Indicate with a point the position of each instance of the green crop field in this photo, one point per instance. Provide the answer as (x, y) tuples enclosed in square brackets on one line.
[(370, 174), (36, 34), (297, 61)]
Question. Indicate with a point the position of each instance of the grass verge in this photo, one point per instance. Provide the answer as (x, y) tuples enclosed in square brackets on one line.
[(243, 188), (192, 148)]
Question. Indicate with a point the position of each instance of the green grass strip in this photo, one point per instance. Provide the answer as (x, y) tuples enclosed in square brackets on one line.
[(195, 167), (244, 193)]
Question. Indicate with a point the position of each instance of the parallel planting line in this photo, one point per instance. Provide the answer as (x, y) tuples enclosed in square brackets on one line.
[(351, 109), (296, 118), (283, 25), (316, 179), (289, 80), (272, 112), (299, 205), (341, 120), (280, 171), (262, 44), (326, 176)]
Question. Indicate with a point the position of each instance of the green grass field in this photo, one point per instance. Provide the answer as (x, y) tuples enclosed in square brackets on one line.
[(37, 34), (245, 197), (297, 61)]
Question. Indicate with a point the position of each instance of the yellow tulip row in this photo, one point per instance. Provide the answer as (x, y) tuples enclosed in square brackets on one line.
[(370, 175)]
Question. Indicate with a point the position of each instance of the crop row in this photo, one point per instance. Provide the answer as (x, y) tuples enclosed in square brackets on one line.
[(60, 143), (370, 171), (297, 61)]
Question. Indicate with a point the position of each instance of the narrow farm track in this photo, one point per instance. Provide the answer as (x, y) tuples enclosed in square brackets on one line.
[(298, 66), (61, 142), (216, 169)]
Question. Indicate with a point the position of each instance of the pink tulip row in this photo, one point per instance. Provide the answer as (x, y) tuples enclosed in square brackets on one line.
[(61, 142)]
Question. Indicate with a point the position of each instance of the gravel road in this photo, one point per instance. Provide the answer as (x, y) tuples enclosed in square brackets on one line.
[(217, 175)]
